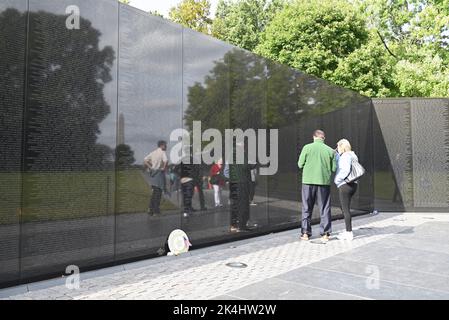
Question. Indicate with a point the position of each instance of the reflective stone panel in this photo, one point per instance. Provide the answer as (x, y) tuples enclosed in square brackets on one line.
[(90, 90), (430, 131), (70, 121), (411, 160), (13, 16), (282, 114), (248, 94), (206, 101), (393, 155), (150, 109)]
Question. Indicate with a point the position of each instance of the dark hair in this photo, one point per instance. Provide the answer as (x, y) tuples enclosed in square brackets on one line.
[(319, 134), (161, 143)]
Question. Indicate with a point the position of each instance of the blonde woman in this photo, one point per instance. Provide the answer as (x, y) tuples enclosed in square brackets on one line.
[(346, 191)]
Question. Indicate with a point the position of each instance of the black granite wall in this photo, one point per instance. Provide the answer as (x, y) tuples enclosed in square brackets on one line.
[(81, 107), (411, 151)]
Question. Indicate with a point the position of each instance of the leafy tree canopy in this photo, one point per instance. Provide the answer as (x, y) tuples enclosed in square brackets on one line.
[(380, 48), (242, 22), (193, 14), (313, 35)]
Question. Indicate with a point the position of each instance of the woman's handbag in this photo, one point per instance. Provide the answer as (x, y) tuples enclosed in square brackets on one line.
[(357, 171)]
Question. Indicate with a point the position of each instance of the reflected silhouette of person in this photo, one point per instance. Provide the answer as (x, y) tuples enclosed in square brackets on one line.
[(198, 183), (156, 163), (217, 180), (174, 178), (239, 192), (252, 184), (187, 175)]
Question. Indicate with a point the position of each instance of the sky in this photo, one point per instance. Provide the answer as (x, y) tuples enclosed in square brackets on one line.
[(164, 6)]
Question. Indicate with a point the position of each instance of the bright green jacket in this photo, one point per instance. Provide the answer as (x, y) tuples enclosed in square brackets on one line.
[(318, 162)]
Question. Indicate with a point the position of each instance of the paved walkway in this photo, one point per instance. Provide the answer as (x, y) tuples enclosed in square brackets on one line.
[(393, 256)]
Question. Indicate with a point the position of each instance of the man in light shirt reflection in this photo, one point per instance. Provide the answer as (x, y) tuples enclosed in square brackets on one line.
[(156, 164)]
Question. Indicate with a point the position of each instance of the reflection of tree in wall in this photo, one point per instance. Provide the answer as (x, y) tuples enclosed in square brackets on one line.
[(66, 103), (124, 157), (246, 91), (233, 93)]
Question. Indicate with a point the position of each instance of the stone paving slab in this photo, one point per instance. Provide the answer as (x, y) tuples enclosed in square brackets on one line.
[(203, 274), (390, 268)]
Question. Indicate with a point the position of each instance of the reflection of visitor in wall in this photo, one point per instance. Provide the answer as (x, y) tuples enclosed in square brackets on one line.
[(198, 180), (252, 185), (156, 163), (259, 148), (187, 175), (239, 193), (217, 180)]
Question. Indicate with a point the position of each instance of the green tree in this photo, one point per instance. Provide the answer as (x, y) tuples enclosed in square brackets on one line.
[(156, 13), (313, 36), (368, 70), (193, 14), (242, 22), (124, 1), (403, 23), (416, 34), (425, 76)]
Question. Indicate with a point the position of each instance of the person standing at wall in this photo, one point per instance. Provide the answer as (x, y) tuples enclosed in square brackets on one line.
[(346, 190), (156, 163), (318, 162)]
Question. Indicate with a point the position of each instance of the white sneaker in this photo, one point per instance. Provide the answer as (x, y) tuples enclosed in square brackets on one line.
[(349, 236)]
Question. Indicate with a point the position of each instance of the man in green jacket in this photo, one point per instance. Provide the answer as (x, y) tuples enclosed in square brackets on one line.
[(317, 161)]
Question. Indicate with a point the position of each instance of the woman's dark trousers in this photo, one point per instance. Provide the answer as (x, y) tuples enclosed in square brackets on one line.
[(346, 192)]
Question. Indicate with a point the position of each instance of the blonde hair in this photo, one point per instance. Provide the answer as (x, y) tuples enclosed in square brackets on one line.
[(344, 145)]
